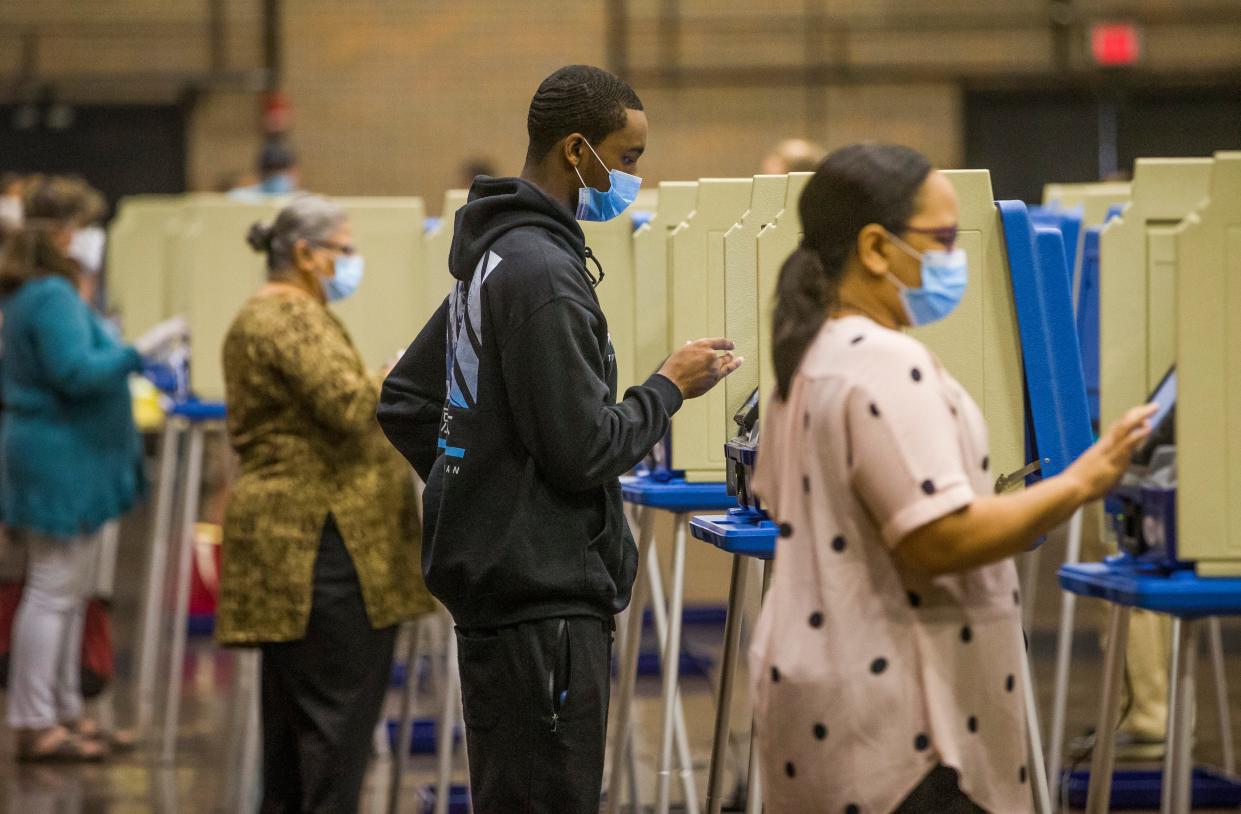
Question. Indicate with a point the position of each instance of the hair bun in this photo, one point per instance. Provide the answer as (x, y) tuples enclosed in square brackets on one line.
[(260, 236)]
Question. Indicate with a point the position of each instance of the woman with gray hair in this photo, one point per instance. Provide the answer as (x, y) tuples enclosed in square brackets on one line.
[(321, 535)]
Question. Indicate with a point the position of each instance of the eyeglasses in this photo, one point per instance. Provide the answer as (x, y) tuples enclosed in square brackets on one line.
[(944, 235), (346, 249)]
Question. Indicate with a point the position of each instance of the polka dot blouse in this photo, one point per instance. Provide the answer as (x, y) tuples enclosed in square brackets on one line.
[(866, 676)]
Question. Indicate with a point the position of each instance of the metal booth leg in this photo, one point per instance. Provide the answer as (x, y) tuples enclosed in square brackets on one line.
[(1178, 757), (1221, 695), (671, 669), (728, 670), (1064, 656), (447, 724), (631, 641), (192, 482), (754, 784), (156, 576), (1034, 741), (1099, 796), (405, 730)]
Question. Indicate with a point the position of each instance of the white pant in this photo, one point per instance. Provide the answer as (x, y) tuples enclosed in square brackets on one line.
[(46, 657)]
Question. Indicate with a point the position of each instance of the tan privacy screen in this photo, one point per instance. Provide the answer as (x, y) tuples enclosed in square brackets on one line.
[(652, 288), (979, 343), (1208, 360), (1137, 281), (742, 292), (696, 272), (773, 245), (612, 244)]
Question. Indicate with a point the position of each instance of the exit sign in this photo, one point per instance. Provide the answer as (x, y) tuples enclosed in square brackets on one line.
[(1115, 45)]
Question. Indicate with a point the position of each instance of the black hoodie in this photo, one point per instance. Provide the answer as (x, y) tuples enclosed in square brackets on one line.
[(505, 404)]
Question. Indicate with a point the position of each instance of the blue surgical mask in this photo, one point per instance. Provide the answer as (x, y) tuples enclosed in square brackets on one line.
[(280, 183), (593, 205), (944, 276), (346, 277)]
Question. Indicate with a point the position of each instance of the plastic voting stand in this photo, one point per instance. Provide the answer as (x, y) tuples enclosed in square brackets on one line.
[(611, 242), (743, 298), (136, 260), (1208, 359), (696, 279), (774, 244), (439, 281), (1190, 599), (382, 317), (979, 343), (652, 290), (1137, 280)]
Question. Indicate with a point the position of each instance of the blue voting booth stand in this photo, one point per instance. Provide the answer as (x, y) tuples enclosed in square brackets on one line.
[(1125, 584)]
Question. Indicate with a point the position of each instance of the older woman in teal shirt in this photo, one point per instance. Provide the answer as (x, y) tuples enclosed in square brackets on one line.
[(70, 460)]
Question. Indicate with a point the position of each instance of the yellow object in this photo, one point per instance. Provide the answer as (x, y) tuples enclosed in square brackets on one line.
[(148, 411)]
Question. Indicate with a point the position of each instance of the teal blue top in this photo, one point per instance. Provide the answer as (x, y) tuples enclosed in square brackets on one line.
[(70, 455)]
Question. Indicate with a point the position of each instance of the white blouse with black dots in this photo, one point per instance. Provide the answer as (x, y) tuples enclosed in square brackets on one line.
[(865, 676)]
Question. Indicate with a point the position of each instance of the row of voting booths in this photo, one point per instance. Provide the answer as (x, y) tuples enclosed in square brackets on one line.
[(1156, 263)]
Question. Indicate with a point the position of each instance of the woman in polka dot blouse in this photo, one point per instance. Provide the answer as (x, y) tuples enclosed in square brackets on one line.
[(886, 664)]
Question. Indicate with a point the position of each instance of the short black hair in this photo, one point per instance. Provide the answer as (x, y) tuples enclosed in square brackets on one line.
[(577, 99)]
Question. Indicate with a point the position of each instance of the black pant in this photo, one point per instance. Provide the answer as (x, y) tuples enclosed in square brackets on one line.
[(322, 694), (536, 712), (938, 793)]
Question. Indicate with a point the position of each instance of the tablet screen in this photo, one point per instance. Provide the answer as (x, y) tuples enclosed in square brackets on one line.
[(1164, 398)]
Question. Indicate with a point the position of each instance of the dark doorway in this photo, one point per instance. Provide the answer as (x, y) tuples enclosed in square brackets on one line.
[(1031, 137), (120, 149)]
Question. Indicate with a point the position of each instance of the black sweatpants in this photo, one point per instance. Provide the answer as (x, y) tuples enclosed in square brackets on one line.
[(536, 711), (322, 694)]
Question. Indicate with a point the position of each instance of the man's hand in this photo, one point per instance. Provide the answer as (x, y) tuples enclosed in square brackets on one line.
[(698, 366)]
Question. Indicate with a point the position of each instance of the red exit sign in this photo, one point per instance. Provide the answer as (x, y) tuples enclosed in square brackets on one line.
[(1115, 45)]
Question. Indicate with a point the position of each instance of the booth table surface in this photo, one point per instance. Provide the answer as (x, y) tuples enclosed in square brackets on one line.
[(743, 536), (1178, 593), (675, 495)]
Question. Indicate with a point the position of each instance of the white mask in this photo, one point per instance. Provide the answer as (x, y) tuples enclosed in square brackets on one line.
[(86, 247)]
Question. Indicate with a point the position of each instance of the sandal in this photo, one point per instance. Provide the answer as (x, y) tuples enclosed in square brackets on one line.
[(64, 747), (120, 740)]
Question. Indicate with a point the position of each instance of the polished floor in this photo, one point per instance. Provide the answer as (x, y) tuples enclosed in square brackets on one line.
[(199, 779)]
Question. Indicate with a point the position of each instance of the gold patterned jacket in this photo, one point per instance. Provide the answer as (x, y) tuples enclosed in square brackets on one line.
[(301, 416)]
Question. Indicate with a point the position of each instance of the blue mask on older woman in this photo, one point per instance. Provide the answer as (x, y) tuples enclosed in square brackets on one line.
[(346, 277), (944, 277)]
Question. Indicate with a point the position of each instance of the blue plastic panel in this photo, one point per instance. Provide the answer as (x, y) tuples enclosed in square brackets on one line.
[(1088, 318), (1177, 593), (743, 532), (195, 410), (1057, 412), (1143, 789), (676, 495)]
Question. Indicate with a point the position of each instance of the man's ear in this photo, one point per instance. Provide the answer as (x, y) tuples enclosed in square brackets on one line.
[(872, 247), (574, 147)]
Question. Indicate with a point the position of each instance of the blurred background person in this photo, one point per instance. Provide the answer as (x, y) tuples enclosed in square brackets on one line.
[(321, 536), (278, 168), (473, 167), (793, 155), (70, 461)]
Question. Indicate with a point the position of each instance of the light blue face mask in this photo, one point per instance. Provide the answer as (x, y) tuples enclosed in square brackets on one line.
[(280, 183), (593, 205), (346, 277), (944, 276)]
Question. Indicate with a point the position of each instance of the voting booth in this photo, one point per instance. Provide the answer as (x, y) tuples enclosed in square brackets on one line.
[(698, 302), (1137, 281), (1208, 361), (651, 285), (439, 280), (773, 245), (611, 243), (979, 342)]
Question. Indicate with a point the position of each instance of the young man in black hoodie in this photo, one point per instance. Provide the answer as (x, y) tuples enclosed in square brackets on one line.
[(506, 406)]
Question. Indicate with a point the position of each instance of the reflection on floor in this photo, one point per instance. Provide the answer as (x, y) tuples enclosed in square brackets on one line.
[(134, 784)]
